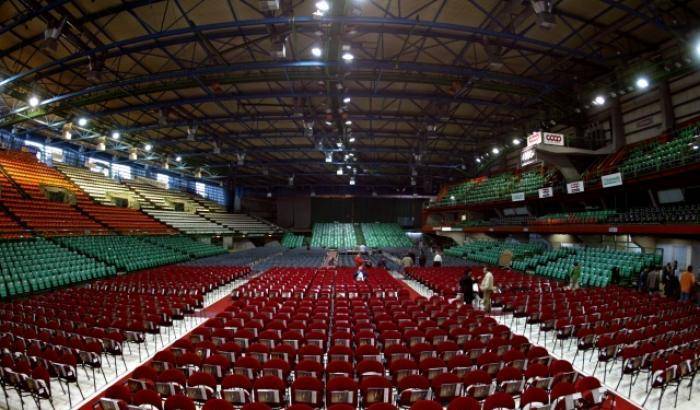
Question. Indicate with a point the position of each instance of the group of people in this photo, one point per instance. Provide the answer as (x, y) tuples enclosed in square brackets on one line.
[(410, 259), (668, 281), (486, 288)]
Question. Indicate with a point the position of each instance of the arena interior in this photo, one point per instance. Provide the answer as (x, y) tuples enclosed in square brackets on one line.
[(349, 204)]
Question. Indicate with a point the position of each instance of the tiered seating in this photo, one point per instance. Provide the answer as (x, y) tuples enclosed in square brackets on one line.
[(126, 220), (491, 251), (101, 188), (47, 338), (541, 259), (333, 235), (385, 235), (621, 333), (33, 265), (495, 188), (210, 206), (597, 263), (189, 223), (581, 217), (291, 241), (10, 229), (38, 213), (316, 338), (186, 245), (657, 156), (160, 198), (676, 214), (124, 252), (242, 223)]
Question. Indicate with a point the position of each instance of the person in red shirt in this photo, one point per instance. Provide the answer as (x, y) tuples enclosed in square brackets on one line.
[(358, 260)]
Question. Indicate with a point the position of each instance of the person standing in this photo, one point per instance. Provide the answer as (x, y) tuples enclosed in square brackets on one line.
[(666, 279), (653, 279), (421, 259), (466, 285), (642, 280), (615, 276), (358, 260), (574, 276), (437, 258), (687, 283), (486, 286)]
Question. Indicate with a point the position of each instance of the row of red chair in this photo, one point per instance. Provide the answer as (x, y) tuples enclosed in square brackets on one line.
[(323, 341)]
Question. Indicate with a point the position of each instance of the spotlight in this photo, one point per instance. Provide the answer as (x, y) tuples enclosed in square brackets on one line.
[(351, 139), (323, 5), (348, 122), (329, 123), (516, 141), (33, 101), (348, 57), (329, 157), (178, 158), (599, 100), (67, 135), (82, 121), (316, 51), (478, 160), (115, 135), (148, 147), (695, 147), (642, 83), (346, 100), (452, 197), (495, 151), (352, 181), (339, 171)]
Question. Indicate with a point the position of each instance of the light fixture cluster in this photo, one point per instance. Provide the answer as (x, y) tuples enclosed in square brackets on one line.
[(497, 150), (641, 83)]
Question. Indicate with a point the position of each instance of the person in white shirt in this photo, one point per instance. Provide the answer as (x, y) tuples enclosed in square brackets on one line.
[(486, 286), (437, 259)]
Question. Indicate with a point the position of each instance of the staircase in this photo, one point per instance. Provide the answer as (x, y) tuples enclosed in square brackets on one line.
[(359, 236)]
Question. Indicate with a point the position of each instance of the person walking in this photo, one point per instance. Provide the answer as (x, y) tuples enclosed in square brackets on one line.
[(437, 259), (466, 285), (486, 286), (687, 281), (574, 276)]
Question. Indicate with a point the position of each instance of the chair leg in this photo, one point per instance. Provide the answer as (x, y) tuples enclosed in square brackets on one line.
[(661, 396), (80, 390), (102, 370), (646, 398)]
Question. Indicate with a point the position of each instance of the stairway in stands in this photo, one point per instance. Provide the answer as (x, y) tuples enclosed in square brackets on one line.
[(359, 235)]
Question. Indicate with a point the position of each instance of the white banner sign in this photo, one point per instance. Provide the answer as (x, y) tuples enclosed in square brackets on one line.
[(534, 138), (553, 139), (528, 156), (575, 187), (545, 192), (518, 196), (611, 180)]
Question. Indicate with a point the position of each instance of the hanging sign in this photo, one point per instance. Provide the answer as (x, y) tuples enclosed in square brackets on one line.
[(611, 180), (575, 187)]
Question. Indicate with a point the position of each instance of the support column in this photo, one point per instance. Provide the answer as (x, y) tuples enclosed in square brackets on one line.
[(616, 124), (668, 119)]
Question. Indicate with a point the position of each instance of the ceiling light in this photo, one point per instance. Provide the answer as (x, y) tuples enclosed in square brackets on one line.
[(642, 83), (148, 147), (516, 141), (351, 139), (347, 56), (352, 181), (495, 150), (478, 160), (452, 197), (67, 135), (316, 51), (269, 194), (695, 147), (33, 101), (329, 157), (323, 5), (346, 100), (599, 100), (178, 158), (82, 121), (339, 171), (115, 135), (329, 123), (348, 122)]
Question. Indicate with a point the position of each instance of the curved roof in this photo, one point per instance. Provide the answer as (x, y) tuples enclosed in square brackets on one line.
[(236, 89)]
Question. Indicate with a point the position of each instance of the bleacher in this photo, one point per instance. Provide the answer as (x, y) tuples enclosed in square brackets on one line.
[(242, 223), (385, 235), (189, 223), (157, 197), (333, 235), (186, 245), (495, 188), (124, 252), (126, 220), (36, 264), (99, 187), (658, 155), (291, 241)]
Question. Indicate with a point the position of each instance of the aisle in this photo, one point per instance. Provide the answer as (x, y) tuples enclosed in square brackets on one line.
[(214, 304)]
